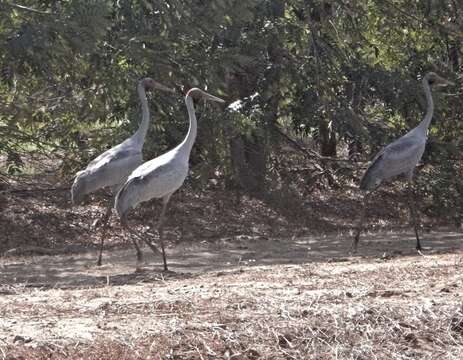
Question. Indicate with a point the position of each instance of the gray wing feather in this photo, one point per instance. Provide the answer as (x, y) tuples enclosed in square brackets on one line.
[(397, 158), (113, 155), (109, 169), (159, 182)]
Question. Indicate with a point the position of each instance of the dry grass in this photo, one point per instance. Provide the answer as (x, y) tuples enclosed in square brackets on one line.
[(406, 308), (323, 306)]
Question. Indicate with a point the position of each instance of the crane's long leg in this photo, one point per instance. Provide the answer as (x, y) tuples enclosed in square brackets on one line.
[(105, 222), (150, 245), (165, 201), (361, 220), (413, 212), (132, 234), (143, 239)]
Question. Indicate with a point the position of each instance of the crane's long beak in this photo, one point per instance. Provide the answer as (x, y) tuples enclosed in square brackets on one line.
[(444, 82), (210, 97)]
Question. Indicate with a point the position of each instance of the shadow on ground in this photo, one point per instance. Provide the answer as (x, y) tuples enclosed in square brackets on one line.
[(79, 270)]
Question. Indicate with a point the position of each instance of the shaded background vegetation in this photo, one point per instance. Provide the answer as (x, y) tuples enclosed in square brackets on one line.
[(317, 87)]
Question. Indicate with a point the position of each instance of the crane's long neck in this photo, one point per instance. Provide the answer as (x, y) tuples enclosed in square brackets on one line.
[(429, 107), (187, 144), (140, 134)]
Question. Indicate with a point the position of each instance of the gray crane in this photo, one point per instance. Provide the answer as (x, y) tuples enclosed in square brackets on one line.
[(161, 176), (400, 158), (111, 168)]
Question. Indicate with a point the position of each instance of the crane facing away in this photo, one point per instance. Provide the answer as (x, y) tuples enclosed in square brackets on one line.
[(111, 168), (161, 176), (400, 158)]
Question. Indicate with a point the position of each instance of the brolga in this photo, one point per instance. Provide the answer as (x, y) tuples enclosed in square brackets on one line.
[(400, 158), (161, 176), (111, 168)]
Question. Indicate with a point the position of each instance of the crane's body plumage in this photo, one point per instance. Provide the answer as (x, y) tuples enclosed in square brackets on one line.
[(111, 168), (401, 156), (163, 175), (154, 179), (404, 154), (398, 158)]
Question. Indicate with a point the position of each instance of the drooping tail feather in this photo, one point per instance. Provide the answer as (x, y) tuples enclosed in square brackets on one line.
[(78, 189), (370, 179), (128, 196), (120, 203), (367, 182)]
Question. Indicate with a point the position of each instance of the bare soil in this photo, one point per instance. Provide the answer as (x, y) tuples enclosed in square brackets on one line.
[(247, 281), (250, 298)]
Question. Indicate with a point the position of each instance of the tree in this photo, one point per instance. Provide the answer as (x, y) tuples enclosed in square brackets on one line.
[(341, 74)]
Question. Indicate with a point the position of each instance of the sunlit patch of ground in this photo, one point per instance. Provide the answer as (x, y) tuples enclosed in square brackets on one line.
[(242, 298)]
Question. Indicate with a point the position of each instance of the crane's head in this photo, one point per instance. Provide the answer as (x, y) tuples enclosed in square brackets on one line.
[(435, 80), (198, 94), (151, 84)]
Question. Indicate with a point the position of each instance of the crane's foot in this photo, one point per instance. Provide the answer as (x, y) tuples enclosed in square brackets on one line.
[(420, 250)]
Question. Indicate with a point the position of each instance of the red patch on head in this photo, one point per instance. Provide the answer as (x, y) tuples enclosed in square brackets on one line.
[(148, 83), (194, 93)]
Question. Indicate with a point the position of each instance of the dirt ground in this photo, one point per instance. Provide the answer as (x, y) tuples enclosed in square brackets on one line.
[(247, 280), (241, 298)]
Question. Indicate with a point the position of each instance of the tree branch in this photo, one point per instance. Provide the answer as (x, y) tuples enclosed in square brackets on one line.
[(309, 152), (25, 8)]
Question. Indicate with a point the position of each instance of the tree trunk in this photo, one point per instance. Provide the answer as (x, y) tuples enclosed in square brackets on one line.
[(248, 158), (249, 154), (327, 139)]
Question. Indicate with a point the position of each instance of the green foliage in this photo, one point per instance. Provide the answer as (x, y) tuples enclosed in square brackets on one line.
[(325, 70)]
